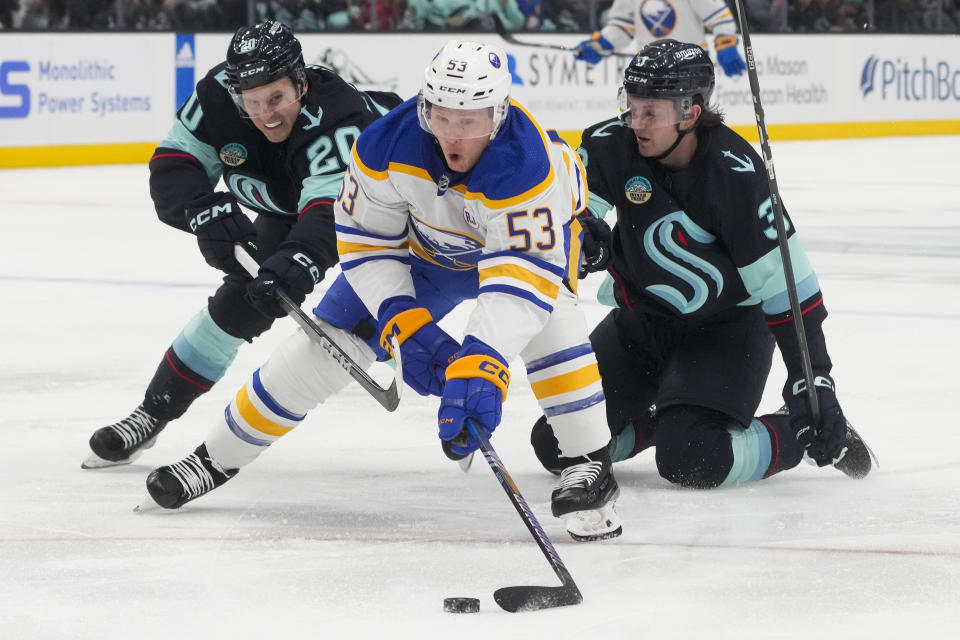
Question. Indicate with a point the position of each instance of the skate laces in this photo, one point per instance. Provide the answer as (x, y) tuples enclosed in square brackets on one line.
[(193, 475), (135, 428), (580, 475)]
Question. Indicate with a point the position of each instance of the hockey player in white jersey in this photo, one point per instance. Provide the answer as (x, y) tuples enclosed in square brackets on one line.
[(643, 21), (457, 194)]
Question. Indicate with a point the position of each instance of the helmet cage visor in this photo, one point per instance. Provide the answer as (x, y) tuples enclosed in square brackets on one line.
[(643, 112), (267, 99), (460, 124)]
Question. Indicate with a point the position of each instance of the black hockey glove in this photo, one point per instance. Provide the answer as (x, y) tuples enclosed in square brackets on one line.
[(823, 446), (596, 244), (218, 223), (291, 270)]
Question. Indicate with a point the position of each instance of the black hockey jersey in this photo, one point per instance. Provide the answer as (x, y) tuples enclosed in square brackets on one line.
[(297, 179), (695, 242)]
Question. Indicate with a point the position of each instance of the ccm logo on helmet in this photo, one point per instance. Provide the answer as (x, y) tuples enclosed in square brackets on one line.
[(250, 72), (452, 89)]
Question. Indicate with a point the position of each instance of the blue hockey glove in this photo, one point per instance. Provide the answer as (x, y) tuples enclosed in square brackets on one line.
[(425, 348), (291, 270), (218, 223), (823, 446), (593, 50), (476, 388), (596, 244), (728, 56)]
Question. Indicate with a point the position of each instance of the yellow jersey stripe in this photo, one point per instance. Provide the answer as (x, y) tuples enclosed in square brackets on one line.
[(376, 175), (573, 258), (252, 416), (541, 284), (530, 193), (566, 382), (346, 248)]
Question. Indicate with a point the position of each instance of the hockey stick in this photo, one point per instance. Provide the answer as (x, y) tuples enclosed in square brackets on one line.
[(779, 220), (389, 398), (508, 37), (528, 598)]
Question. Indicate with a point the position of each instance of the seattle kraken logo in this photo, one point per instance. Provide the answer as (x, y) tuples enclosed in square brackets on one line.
[(253, 193), (661, 243), (867, 75), (659, 16)]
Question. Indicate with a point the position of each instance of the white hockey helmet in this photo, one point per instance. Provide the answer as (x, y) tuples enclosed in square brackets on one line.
[(465, 76)]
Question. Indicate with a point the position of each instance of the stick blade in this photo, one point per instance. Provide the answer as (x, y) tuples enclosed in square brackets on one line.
[(528, 598)]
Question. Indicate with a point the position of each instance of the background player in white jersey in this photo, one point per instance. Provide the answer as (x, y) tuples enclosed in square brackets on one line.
[(643, 21), (456, 194)]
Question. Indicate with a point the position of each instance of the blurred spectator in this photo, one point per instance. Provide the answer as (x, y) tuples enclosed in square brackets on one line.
[(43, 15), (193, 15), (850, 16), (375, 15), (809, 16), (147, 15), (8, 8), (507, 13), (434, 15), (532, 11), (766, 16), (567, 15)]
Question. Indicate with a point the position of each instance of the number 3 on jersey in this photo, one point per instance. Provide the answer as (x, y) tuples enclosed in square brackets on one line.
[(347, 198), (534, 230)]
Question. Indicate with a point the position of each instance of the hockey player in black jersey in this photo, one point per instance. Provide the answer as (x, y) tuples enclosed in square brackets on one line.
[(278, 134), (700, 291)]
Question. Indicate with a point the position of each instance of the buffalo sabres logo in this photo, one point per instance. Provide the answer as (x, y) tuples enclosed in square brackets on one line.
[(445, 247), (233, 154), (659, 17), (638, 190)]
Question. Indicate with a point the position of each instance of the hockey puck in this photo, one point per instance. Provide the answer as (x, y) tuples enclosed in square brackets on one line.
[(461, 605)]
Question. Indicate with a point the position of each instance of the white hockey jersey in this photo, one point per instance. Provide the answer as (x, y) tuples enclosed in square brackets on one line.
[(644, 21), (509, 219)]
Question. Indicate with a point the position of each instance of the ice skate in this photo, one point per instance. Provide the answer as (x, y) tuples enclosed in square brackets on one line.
[(124, 441), (856, 459), (585, 497), (172, 486)]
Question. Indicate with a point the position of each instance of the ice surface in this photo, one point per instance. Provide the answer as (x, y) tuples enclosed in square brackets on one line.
[(355, 525)]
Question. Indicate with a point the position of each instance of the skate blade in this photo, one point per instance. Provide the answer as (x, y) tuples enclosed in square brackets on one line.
[(94, 461), (597, 524), (147, 505), (465, 462)]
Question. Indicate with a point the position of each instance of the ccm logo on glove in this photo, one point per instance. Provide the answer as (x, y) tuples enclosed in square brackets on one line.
[(304, 261), (819, 381), (205, 216), (481, 367)]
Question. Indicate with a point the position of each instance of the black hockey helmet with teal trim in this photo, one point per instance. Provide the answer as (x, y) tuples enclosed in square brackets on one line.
[(263, 53)]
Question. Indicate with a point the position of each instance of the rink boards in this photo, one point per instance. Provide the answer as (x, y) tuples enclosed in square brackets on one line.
[(70, 99)]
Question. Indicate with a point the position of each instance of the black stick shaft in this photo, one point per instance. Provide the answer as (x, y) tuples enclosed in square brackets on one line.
[(779, 219), (520, 504), (388, 398)]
